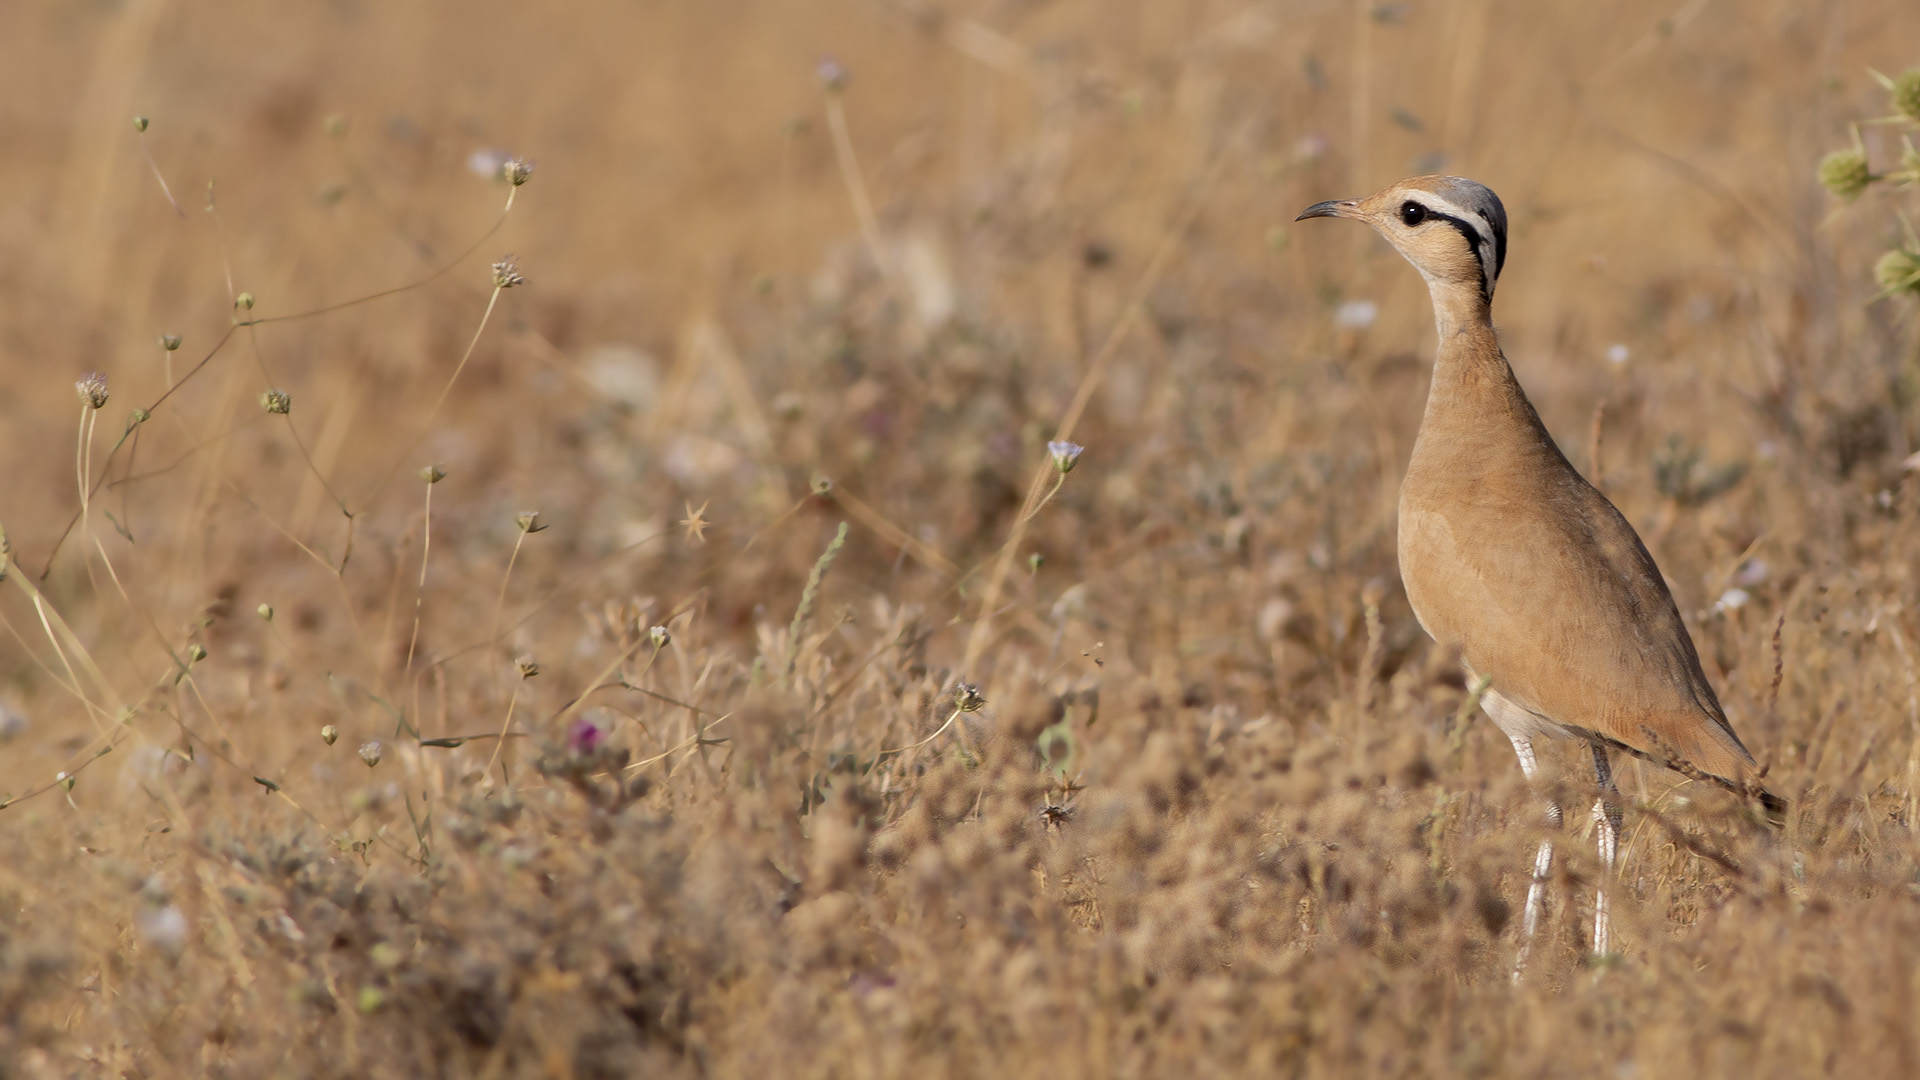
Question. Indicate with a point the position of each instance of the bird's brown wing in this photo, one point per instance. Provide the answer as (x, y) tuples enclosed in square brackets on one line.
[(1547, 590)]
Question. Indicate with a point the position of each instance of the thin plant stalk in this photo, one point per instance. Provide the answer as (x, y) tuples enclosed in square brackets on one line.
[(419, 600), (506, 722), (154, 167), (849, 164), (500, 601), (493, 630), (173, 385), (1083, 395), (427, 426)]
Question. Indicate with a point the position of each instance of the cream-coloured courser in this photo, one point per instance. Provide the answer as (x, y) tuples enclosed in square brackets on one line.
[(1512, 557)]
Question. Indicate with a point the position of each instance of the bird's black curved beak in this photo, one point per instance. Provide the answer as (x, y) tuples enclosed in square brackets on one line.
[(1330, 208)]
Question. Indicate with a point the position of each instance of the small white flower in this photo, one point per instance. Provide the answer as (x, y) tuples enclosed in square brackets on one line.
[(488, 162), (1065, 455), (1618, 354), (164, 928), (1732, 600), (506, 273), (1356, 314)]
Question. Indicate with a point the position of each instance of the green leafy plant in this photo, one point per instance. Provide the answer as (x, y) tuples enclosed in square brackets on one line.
[(1847, 174)]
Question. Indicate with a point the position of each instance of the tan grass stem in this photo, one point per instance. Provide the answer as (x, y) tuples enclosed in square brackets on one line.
[(856, 184), (1037, 493), (426, 427), (500, 600), (419, 601), (146, 149), (506, 722), (446, 268), (937, 732), (894, 535)]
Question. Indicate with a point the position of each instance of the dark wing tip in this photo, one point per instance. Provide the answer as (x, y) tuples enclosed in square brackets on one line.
[(1773, 806)]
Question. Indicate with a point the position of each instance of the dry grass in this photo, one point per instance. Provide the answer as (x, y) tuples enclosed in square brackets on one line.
[(1216, 815)]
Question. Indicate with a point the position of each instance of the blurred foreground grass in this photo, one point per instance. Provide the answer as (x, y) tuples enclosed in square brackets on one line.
[(1172, 781)]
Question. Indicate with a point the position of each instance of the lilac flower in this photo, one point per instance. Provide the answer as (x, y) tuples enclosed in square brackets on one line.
[(584, 737), (831, 73)]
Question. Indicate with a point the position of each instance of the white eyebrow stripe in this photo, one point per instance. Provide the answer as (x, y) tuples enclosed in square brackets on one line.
[(1485, 248)]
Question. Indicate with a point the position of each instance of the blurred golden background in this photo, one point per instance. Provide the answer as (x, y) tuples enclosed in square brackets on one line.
[(788, 265)]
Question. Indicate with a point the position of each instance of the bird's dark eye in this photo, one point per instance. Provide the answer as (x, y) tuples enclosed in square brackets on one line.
[(1412, 212)]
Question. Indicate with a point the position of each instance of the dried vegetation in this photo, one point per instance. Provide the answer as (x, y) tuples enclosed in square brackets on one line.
[(1137, 769)]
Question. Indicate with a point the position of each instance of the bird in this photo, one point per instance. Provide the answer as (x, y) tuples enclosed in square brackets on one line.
[(1516, 562)]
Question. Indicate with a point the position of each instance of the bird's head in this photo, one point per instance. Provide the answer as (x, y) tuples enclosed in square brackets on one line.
[(1453, 230)]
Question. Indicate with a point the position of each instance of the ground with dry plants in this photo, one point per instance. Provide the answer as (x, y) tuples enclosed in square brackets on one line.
[(895, 574)]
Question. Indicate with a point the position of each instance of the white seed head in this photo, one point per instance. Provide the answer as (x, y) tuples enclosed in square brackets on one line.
[(92, 390)]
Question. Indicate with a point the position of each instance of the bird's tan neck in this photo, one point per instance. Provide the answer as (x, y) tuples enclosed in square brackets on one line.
[(1475, 408)]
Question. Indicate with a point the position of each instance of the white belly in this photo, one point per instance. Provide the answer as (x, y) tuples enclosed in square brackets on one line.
[(1519, 722)]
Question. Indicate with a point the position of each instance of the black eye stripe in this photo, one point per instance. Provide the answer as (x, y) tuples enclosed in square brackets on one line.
[(1474, 238)]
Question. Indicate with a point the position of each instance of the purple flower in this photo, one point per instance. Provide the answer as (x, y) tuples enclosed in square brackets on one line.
[(584, 737), (831, 73)]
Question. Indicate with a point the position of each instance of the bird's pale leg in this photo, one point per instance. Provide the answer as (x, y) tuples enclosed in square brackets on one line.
[(1606, 822), (1542, 860)]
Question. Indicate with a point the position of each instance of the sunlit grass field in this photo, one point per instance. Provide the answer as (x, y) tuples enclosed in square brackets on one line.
[(631, 622)]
